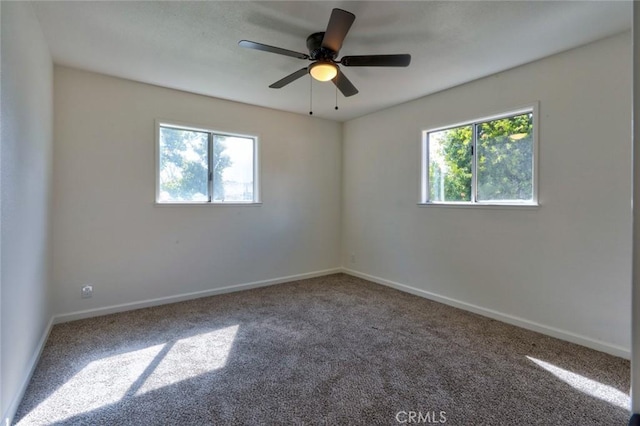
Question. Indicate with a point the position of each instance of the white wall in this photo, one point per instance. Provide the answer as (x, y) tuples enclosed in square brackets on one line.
[(25, 166), (563, 267), (635, 316), (108, 232)]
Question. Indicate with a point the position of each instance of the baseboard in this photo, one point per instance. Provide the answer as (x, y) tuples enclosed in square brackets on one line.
[(33, 362), (509, 319), (72, 316)]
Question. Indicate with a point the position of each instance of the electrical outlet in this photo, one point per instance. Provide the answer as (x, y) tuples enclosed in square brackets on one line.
[(87, 291), (352, 258)]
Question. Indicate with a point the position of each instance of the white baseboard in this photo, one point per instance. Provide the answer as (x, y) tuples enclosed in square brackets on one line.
[(72, 316), (33, 362), (509, 319)]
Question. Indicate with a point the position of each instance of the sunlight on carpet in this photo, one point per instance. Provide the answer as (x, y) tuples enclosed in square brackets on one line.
[(192, 357), (108, 380), (585, 385)]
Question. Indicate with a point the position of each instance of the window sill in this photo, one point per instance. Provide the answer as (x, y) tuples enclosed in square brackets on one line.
[(206, 203), (517, 206)]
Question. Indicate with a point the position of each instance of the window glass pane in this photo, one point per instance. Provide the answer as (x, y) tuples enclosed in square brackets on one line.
[(233, 168), (505, 159), (183, 165), (450, 164)]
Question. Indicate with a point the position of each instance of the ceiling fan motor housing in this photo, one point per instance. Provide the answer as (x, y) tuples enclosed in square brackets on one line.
[(316, 51)]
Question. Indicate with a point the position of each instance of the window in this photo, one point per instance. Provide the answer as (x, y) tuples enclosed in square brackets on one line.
[(199, 166), (488, 161)]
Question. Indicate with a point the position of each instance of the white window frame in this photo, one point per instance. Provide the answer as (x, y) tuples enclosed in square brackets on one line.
[(424, 178), (257, 200)]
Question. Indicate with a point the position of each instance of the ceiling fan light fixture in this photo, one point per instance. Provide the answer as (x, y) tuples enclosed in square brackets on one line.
[(323, 52), (518, 136), (323, 71)]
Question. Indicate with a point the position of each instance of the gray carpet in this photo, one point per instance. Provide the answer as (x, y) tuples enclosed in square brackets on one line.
[(329, 350)]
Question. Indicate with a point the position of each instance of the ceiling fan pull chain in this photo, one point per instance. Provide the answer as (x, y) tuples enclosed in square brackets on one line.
[(336, 98), (310, 96)]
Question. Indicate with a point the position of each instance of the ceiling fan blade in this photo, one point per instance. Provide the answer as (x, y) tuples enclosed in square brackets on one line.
[(272, 49), (376, 61), (344, 85), (289, 79), (337, 29)]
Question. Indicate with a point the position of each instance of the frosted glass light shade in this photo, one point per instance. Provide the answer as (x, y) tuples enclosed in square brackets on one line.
[(323, 71)]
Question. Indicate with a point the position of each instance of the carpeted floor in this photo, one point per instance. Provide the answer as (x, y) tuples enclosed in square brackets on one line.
[(330, 350)]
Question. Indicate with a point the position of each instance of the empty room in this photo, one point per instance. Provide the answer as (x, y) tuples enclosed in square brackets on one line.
[(319, 212)]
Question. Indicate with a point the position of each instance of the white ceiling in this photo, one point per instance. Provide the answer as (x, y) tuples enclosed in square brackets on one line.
[(193, 46)]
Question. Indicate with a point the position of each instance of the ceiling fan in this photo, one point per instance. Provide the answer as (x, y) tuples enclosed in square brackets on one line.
[(323, 50)]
